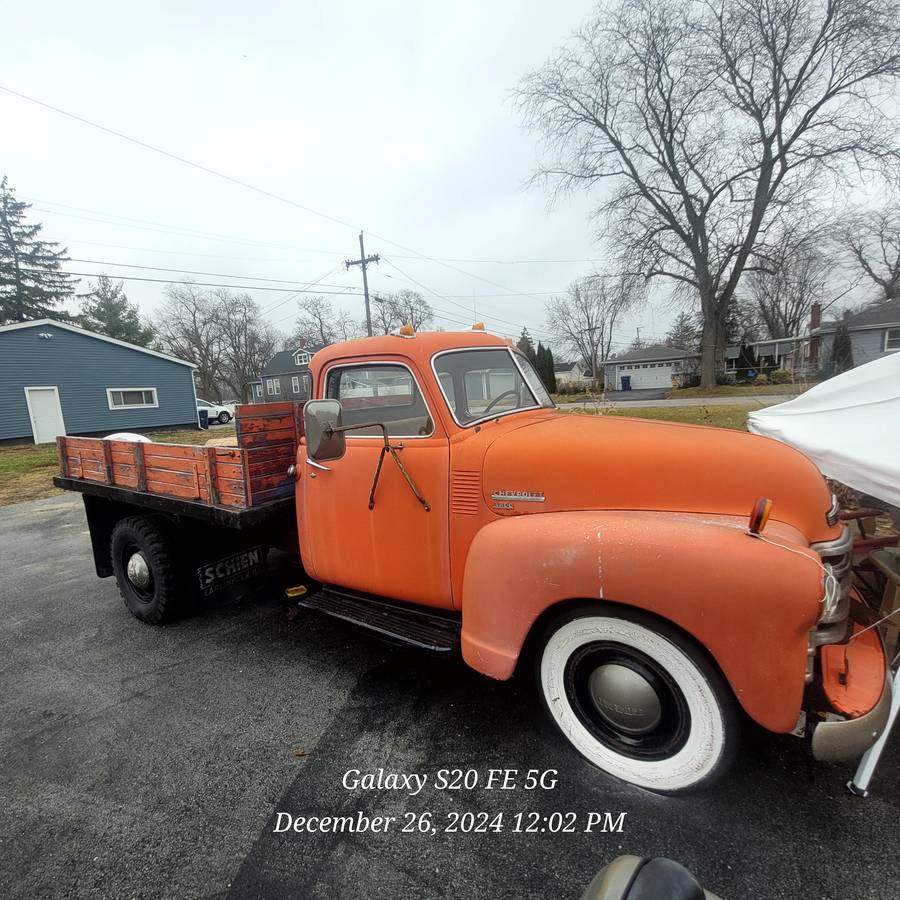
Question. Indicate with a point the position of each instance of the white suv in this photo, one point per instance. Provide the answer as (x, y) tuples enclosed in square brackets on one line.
[(222, 413)]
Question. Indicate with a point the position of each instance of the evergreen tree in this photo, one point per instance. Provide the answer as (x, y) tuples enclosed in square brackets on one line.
[(106, 310), (526, 345), (841, 350), (543, 364), (683, 335), (32, 283), (550, 380)]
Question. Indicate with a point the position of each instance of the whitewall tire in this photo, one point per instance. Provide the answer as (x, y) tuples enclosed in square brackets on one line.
[(637, 699)]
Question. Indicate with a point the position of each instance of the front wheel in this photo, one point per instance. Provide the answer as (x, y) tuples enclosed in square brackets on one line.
[(224, 417), (637, 699)]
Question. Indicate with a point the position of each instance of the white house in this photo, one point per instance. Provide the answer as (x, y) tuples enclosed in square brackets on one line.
[(656, 366)]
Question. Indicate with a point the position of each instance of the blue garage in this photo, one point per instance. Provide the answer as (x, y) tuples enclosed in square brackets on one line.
[(58, 379)]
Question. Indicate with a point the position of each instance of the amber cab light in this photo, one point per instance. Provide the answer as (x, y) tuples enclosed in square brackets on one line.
[(478, 326), (406, 331), (760, 515)]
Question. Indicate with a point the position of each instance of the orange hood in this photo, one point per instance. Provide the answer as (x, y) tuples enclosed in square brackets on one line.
[(605, 462)]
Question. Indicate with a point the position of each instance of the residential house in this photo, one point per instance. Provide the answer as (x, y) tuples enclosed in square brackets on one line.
[(56, 379), (571, 373), (285, 377), (874, 332), (771, 355), (656, 366)]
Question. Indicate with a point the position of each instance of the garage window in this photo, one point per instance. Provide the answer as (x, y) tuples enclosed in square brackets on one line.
[(892, 339), (132, 398)]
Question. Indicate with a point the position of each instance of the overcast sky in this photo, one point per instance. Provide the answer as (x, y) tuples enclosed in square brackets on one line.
[(393, 117)]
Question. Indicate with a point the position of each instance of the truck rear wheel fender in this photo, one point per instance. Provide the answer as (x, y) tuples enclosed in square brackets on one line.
[(749, 604)]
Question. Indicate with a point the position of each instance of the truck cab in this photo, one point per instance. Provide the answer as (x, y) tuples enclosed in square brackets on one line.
[(617, 554)]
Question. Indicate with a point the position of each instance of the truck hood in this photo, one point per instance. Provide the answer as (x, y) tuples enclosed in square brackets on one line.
[(578, 462)]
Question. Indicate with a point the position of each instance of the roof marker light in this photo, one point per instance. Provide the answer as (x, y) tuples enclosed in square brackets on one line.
[(478, 326), (406, 330)]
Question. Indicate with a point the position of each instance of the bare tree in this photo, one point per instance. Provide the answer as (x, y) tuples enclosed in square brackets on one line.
[(708, 119), (872, 241), (316, 323), (188, 325), (782, 292), (385, 317), (582, 321), (248, 342)]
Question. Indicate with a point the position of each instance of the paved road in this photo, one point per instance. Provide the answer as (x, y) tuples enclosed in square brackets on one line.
[(621, 399), (150, 762)]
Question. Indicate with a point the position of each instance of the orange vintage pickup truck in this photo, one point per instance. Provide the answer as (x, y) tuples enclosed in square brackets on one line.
[(663, 580)]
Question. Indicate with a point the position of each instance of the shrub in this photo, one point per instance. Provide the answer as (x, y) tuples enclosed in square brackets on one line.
[(724, 378), (762, 378), (781, 376)]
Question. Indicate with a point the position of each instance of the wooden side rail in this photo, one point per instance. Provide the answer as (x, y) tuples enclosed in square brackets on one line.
[(252, 474), (212, 475)]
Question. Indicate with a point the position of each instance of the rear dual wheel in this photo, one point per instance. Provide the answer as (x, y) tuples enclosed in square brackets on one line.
[(637, 699)]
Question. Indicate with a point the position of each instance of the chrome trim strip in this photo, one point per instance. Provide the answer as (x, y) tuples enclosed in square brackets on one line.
[(833, 516), (493, 416), (381, 362), (838, 547)]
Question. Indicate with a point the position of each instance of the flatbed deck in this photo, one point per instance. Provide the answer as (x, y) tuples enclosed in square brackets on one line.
[(237, 486)]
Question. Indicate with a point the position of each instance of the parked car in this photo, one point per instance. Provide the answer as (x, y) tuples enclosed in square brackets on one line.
[(636, 565), (222, 413)]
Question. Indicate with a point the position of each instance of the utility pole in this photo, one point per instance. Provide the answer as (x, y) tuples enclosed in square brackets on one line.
[(362, 262)]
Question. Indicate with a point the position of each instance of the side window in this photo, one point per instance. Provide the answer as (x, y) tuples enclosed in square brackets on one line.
[(380, 393)]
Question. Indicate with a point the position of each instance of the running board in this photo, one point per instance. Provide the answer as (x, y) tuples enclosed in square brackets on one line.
[(416, 626)]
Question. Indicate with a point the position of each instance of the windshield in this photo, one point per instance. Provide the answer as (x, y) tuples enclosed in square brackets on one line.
[(478, 384)]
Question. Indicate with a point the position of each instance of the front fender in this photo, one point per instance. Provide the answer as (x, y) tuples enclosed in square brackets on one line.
[(748, 602)]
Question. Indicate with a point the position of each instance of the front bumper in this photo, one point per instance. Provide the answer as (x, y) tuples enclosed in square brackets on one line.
[(848, 739)]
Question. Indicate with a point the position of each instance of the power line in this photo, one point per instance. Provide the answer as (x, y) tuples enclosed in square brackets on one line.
[(248, 185), (443, 297), (177, 158), (165, 228), (241, 287), (106, 262)]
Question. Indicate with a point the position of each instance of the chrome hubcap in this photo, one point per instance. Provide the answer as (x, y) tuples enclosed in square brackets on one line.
[(138, 571), (625, 699)]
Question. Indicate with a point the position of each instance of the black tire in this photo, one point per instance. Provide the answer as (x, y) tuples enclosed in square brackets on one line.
[(153, 539), (637, 698), (224, 417)]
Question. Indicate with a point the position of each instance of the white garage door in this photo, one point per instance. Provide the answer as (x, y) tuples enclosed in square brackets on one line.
[(648, 375)]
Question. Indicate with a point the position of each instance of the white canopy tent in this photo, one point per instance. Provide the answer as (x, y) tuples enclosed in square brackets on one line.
[(849, 426)]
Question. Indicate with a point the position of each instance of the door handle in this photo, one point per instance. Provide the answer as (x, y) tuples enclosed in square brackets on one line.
[(316, 465)]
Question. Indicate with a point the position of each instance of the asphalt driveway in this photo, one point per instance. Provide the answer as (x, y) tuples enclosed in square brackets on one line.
[(151, 762)]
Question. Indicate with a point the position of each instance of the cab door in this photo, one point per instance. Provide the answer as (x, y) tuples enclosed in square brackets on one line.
[(397, 549)]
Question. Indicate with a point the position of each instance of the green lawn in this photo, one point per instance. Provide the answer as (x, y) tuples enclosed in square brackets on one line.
[(26, 471), (718, 416), (741, 390)]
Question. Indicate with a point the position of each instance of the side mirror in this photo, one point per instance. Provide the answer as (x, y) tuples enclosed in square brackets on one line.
[(321, 422)]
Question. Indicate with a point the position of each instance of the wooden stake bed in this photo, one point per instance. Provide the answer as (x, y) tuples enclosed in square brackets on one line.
[(249, 476)]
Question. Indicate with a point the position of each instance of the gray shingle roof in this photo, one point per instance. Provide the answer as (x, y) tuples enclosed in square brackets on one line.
[(872, 316), (653, 352), (283, 363)]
